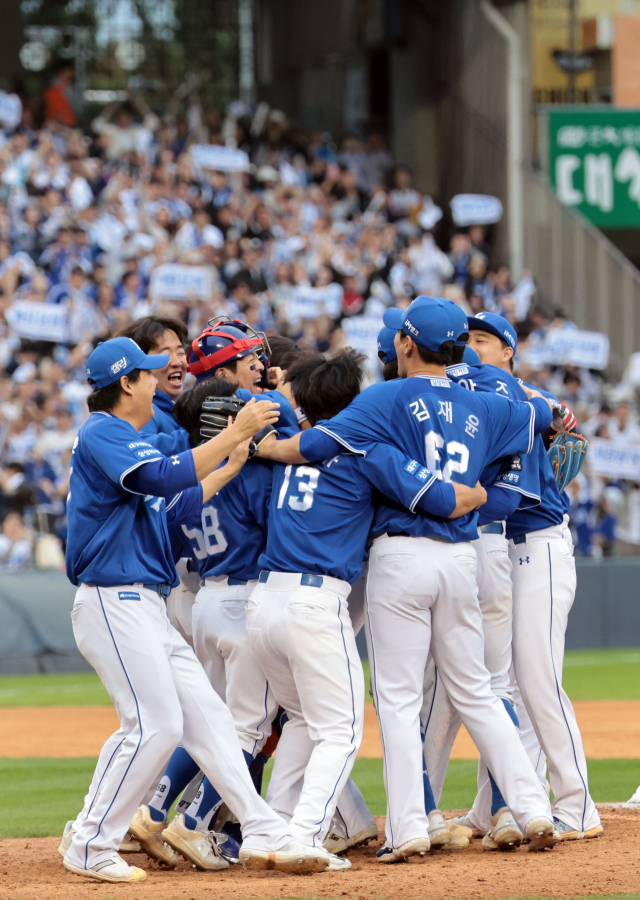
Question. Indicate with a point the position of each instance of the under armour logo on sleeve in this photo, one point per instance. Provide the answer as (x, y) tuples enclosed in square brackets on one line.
[(175, 461)]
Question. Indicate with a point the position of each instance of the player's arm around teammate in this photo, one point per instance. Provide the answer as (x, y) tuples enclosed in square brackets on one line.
[(118, 553)]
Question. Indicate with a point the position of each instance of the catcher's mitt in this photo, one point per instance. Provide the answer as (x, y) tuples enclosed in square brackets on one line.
[(214, 417), (566, 454)]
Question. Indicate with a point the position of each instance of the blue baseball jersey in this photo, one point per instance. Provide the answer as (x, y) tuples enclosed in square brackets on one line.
[(520, 473), (454, 432), (115, 536), (287, 413), (321, 515), (227, 534), (163, 421), (553, 503)]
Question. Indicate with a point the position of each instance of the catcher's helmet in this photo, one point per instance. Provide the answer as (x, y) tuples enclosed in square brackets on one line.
[(220, 343)]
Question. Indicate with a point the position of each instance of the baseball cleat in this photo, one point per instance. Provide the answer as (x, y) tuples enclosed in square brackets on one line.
[(67, 837), (416, 847), (567, 833), (338, 863), (228, 846), (540, 834), (439, 834), (465, 822), (334, 843), (635, 799), (114, 869), (129, 845), (149, 833), (460, 836), (293, 857), (504, 833), (197, 847)]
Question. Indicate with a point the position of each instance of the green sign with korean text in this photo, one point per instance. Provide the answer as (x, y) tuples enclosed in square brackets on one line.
[(594, 163)]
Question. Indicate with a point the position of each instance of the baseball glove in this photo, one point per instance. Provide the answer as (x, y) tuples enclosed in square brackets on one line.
[(566, 454), (214, 418)]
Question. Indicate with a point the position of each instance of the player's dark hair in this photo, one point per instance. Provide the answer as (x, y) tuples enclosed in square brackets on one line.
[(323, 387), (457, 354), (441, 357), (283, 351), (105, 399), (188, 406), (390, 370), (147, 332)]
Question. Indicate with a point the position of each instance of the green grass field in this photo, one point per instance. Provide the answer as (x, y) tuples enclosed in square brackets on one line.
[(39, 795)]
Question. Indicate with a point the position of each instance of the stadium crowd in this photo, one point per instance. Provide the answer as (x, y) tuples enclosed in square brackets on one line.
[(312, 237)]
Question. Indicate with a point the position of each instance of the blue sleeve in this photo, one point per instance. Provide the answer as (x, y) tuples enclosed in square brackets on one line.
[(184, 506), (367, 420), (499, 505), (169, 444), (169, 476), (118, 450), (406, 481), (513, 424), (316, 445)]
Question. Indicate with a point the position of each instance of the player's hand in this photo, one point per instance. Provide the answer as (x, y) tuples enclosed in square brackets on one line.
[(239, 456), (563, 418), (255, 416), (276, 377), (467, 498)]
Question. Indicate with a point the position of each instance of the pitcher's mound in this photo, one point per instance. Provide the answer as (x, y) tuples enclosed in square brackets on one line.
[(30, 869)]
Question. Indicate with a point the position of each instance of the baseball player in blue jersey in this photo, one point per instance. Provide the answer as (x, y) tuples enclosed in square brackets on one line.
[(119, 556), (510, 483), (422, 569), (298, 618), (544, 583)]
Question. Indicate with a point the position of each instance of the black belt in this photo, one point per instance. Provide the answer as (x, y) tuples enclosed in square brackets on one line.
[(305, 580)]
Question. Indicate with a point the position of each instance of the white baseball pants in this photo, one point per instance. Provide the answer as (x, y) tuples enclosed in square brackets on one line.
[(162, 696), (440, 721), (544, 585), (304, 641), (181, 599), (422, 593), (224, 649)]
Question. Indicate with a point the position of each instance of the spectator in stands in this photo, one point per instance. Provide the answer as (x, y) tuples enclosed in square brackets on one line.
[(58, 106), (16, 547)]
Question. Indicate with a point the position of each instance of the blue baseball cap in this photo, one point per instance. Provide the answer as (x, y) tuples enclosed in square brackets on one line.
[(470, 357), (386, 347), (430, 321), (498, 325), (119, 356)]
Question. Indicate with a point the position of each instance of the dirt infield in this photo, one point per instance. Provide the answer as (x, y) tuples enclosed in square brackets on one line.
[(610, 729), (31, 869)]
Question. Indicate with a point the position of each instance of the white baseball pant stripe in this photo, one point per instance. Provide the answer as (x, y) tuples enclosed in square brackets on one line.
[(223, 647), (162, 696), (421, 593), (544, 584), (304, 641)]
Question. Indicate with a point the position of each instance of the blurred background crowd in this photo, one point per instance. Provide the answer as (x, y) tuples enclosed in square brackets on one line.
[(294, 233)]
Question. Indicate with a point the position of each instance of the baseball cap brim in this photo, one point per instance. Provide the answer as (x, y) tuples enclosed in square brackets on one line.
[(393, 318), (154, 361), (482, 325)]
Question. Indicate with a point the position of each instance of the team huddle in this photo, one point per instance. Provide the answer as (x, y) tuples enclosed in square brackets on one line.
[(229, 542)]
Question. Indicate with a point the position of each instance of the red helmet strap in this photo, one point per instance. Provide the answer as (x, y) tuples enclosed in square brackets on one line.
[(225, 354)]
